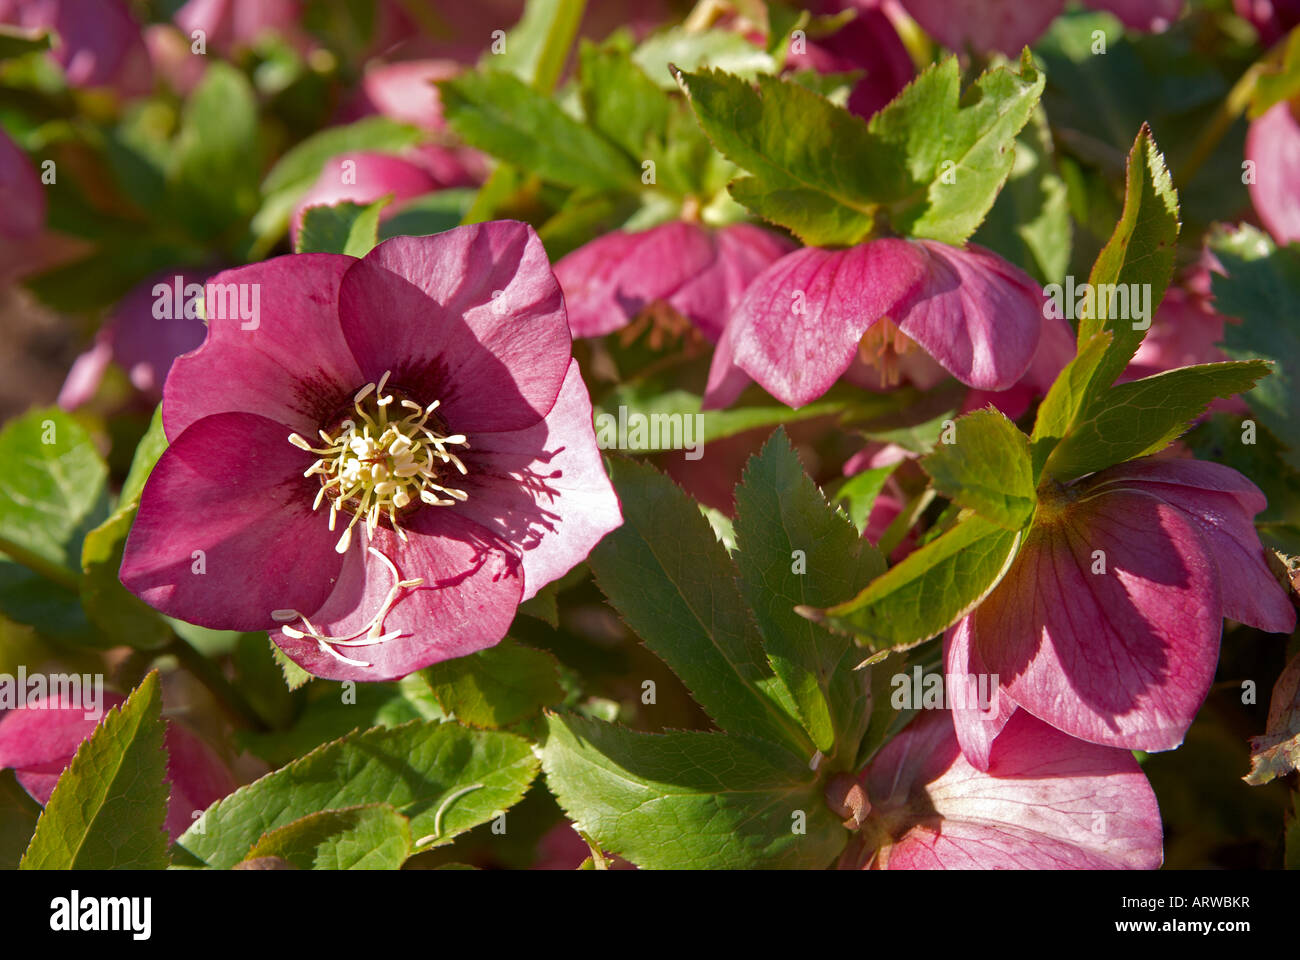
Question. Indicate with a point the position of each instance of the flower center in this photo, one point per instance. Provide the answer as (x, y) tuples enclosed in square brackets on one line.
[(378, 465), (882, 346)]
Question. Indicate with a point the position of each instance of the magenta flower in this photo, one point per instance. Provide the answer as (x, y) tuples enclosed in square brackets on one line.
[(1273, 147), (386, 463), (148, 329), (1045, 802), (1107, 624), (1010, 25), (38, 742), (100, 44), (806, 319), (363, 178), (1272, 18), (698, 272), (868, 43)]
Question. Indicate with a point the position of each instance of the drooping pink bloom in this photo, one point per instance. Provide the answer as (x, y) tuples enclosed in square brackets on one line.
[(99, 41), (406, 91), (1273, 147), (1107, 623), (148, 329), (22, 204), (362, 178), (396, 455), (701, 273), (1045, 802), (1272, 18), (1010, 25), (806, 319), (867, 43), (38, 742)]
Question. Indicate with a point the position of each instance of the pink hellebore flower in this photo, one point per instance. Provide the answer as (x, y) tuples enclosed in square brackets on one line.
[(363, 178), (1045, 802), (807, 318), (38, 743), (1273, 146), (1107, 623), (387, 462), (700, 272), (406, 91), (1010, 25), (99, 42), (868, 43), (148, 329)]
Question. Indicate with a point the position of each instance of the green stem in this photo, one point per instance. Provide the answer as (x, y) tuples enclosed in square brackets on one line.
[(53, 572), (227, 696), (1233, 105)]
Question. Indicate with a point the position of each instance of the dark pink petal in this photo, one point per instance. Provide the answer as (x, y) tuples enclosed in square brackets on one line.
[(975, 313), (99, 41), (544, 489), (612, 279), (1047, 801), (1122, 657), (868, 43), (363, 178), (1273, 145), (472, 585), (1223, 502), (472, 317), (294, 366), (976, 730), (1151, 16), (726, 380), (798, 327), (741, 252), (198, 778), (1185, 331), (1005, 25), (1272, 18), (232, 487), (22, 197)]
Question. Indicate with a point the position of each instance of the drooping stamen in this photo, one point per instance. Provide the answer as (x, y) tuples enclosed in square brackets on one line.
[(384, 465), (373, 628), (882, 346)]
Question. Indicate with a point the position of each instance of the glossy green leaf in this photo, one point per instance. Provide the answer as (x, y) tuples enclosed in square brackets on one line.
[(423, 770), (931, 589), (495, 687), (108, 809), (347, 228), (986, 468), (794, 549), (690, 800), (370, 837), (674, 584)]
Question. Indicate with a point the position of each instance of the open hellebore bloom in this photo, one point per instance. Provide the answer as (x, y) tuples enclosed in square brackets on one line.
[(384, 461), (1045, 802), (699, 272), (1273, 147), (1107, 623), (901, 307), (1010, 25), (38, 742)]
